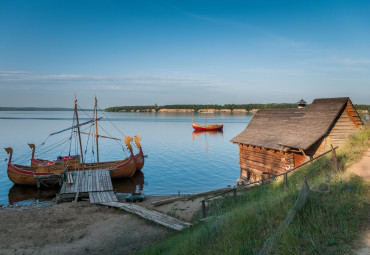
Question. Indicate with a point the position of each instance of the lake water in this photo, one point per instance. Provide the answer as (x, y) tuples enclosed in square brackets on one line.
[(179, 160)]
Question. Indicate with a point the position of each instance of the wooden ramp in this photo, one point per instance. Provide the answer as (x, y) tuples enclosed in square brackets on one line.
[(96, 183), (155, 216)]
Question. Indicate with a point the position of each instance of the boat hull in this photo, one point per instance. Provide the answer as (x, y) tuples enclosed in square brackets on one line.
[(211, 127), (25, 175), (139, 161)]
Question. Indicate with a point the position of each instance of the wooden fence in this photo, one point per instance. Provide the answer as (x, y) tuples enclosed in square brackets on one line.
[(273, 177)]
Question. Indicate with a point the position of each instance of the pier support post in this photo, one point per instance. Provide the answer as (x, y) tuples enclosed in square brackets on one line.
[(285, 181)]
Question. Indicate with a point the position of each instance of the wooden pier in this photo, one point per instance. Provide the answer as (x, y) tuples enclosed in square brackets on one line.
[(97, 185)]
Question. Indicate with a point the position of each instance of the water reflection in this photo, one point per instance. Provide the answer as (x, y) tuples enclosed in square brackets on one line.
[(134, 184), (25, 195), (209, 133)]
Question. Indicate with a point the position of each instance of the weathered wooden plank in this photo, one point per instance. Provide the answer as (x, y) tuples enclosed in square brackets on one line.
[(78, 180), (92, 197), (82, 182), (98, 181), (154, 216), (89, 181), (94, 180)]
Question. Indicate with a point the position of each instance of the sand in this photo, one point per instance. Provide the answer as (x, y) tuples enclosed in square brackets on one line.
[(84, 228)]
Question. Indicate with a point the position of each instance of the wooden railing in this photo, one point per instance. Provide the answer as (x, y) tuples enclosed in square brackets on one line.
[(263, 181)]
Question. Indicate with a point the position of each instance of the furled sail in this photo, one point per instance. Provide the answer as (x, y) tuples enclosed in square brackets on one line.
[(101, 136)]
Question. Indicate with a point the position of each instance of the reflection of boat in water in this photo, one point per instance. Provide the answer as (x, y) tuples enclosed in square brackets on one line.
[(210, 133), (134, 184), (25, 175), (20, 193)]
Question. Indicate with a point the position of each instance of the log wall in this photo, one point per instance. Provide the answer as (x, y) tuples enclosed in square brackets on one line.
[(256, 161), (338, 133)]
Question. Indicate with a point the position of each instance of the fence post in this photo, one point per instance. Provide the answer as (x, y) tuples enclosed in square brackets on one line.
[(334, 158), (285, 181), (234, 193), (204, 209)]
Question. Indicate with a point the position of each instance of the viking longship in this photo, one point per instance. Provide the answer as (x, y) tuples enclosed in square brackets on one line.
[(27, 175)]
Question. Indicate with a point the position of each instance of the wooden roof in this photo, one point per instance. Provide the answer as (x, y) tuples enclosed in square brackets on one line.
[(280, 129)]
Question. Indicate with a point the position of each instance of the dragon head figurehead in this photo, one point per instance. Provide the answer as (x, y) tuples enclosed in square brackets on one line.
[(137, 139), (128, 141), (9, 151), (33, 148)]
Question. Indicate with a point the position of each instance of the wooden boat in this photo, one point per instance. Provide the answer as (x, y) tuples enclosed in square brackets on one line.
[(210, 127), (27, 175)]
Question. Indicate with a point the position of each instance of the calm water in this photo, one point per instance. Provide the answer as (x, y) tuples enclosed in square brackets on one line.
[(179, 161)]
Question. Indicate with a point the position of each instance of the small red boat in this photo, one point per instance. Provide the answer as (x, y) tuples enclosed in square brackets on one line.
[(210, 127)]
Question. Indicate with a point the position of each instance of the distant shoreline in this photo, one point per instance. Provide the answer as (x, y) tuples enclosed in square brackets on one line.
[(246, 108), (38, 109), (227, 108)]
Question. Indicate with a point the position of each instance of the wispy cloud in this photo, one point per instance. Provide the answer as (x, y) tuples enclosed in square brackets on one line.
[(274, 38), (350, 61), (28, 80)]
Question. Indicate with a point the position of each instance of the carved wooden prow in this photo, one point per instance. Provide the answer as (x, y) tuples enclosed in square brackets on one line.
[(137, 139), (33, 148), (9, 151), (128, 141)]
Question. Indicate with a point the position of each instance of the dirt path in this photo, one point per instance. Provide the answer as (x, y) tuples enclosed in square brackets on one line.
[(362, 168)]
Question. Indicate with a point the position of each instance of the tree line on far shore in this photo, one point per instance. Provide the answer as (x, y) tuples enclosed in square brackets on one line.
[(197, 107)]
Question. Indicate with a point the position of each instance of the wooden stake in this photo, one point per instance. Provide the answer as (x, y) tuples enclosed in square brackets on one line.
[(204, 209), (335, 159), (234, 195), (285, 181)]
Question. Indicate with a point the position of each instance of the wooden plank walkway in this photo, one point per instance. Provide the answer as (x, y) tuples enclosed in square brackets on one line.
[(155, 216), (97, 183)]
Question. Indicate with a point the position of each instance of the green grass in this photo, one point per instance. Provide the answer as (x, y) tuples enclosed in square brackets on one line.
[(328, 224)]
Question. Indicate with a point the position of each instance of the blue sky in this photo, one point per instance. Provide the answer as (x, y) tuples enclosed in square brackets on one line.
[(179, 52)]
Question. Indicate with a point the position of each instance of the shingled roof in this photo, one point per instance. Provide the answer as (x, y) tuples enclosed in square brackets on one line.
[(294, 128)]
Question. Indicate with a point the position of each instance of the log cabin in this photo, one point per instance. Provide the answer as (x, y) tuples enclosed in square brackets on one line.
[(277, 140)]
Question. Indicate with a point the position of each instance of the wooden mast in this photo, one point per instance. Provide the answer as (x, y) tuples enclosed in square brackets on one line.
[(205, 124), (96, 131), (78, 129)]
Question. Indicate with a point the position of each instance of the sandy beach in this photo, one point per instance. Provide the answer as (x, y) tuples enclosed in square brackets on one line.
[(84, 228)]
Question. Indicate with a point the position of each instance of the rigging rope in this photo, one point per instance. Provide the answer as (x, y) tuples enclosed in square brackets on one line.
[(111, 122), (123, 147)]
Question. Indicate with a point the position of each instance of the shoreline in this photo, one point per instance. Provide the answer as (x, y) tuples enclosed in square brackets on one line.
[(84, 228)]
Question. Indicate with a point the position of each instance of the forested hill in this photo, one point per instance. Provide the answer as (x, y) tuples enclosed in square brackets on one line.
[(197, 107), (38, 109)]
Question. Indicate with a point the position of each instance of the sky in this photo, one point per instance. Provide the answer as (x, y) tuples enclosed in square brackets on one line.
[(182, 52)]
